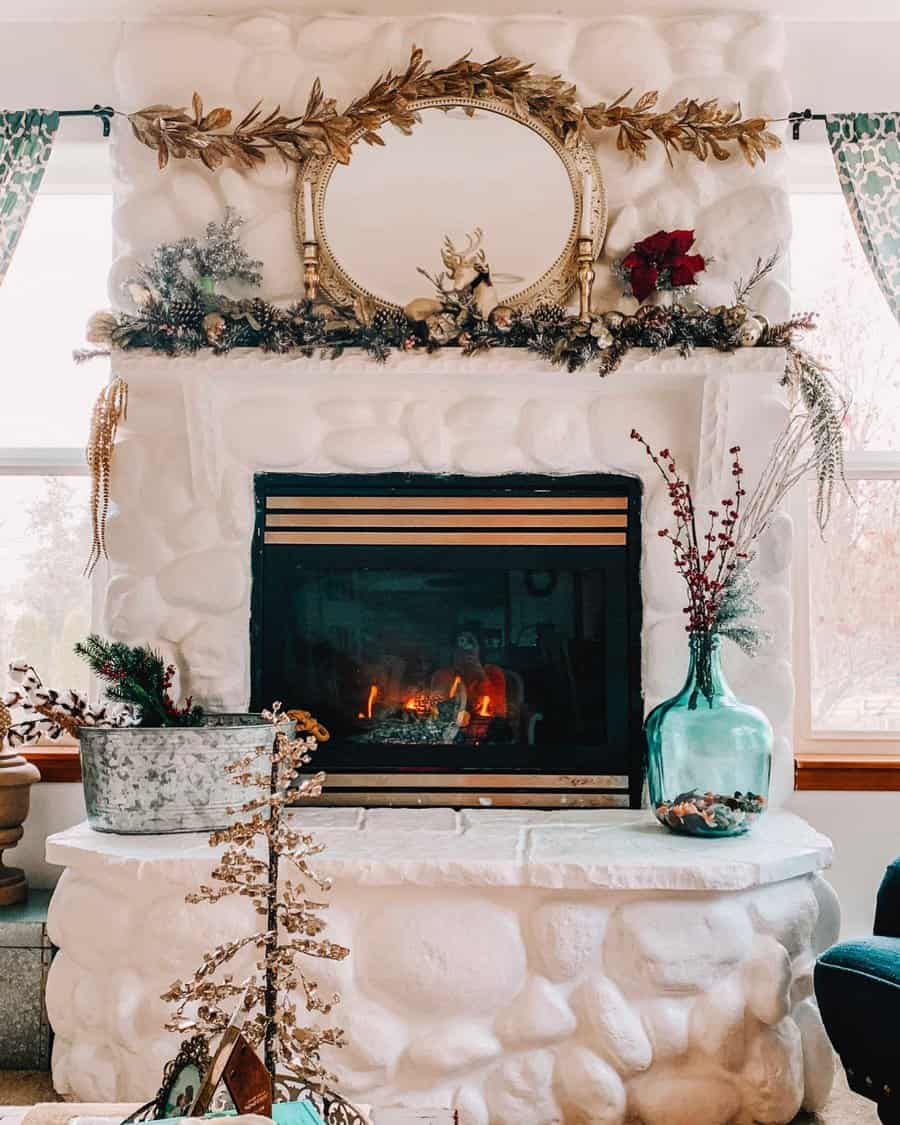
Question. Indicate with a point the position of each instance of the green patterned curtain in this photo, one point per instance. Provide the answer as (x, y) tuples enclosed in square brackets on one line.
[(26, 140), (866, 149)]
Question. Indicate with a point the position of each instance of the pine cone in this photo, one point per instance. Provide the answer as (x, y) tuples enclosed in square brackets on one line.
[(392, 325), (185, 315), (546, 314)]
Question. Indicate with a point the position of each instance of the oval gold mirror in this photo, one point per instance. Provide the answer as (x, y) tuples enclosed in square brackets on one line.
[(468, 166)]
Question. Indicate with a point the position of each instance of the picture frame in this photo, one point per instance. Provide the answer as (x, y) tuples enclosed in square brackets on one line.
[(181, 1083)]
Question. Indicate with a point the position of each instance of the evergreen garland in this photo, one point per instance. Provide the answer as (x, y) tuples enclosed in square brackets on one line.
[(139, 677), (179, 312)]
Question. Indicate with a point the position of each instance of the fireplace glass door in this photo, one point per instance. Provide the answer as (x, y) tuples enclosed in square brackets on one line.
[(464, 641)]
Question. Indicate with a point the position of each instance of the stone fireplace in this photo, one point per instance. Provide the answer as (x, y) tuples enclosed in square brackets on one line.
[(212, 446), (273, 521)]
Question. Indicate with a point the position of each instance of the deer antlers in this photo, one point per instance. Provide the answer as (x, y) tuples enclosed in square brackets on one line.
[(453, 259)]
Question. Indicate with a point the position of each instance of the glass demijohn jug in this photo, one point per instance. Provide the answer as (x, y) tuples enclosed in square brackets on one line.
[(709, 754)]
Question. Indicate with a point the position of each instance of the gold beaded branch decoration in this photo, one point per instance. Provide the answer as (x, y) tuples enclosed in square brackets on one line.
[(110, 409), (701, 128)]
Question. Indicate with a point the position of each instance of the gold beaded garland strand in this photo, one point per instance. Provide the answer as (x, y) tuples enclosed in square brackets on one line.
[(110, 409)]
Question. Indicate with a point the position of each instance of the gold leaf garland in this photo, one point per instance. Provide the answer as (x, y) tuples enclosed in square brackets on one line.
[(110, 409), (699, 128)]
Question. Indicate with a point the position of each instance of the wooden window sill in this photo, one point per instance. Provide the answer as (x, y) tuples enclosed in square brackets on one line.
[(848, 772), (836, 772), (56, 763)]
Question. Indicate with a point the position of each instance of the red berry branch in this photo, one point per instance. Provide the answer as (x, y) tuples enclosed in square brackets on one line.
[(705, 561)]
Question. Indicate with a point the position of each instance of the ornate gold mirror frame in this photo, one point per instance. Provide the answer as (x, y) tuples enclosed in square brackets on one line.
[(553, 286)]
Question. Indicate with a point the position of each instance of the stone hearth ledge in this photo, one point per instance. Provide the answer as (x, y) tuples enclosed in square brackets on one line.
[(581, 850), (527, 968)]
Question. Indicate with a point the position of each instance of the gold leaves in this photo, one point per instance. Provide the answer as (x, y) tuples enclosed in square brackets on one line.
[(701, 128)]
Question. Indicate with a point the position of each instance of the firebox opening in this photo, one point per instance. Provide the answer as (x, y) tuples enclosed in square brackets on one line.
[(465, 640)]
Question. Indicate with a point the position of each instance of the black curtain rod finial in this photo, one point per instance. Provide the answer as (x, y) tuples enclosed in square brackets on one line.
[(104, 112), (798, 117)]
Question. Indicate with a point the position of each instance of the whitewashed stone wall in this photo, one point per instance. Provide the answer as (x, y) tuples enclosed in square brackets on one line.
[(181, 523), (739, 213), (527, 968)]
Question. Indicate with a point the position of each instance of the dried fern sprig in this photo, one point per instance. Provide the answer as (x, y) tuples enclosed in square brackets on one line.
[(110, 409)]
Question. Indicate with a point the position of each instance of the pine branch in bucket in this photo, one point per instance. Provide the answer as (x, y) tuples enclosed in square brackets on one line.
[(139, 677)]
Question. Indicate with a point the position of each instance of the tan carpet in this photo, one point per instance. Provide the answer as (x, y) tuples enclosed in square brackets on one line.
[(27, 1087)]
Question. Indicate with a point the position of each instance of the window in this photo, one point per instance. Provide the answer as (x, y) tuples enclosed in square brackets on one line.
[(848, 603), (56, 280)]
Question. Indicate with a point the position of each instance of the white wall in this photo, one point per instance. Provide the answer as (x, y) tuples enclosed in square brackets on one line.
[(53, 807), (865, 829)]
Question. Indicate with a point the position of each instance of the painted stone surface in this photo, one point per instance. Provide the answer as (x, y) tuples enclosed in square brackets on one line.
[(447, 995), (488, 414)]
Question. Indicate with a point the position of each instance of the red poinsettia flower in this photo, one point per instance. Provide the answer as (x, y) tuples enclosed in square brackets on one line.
[(662, 258)]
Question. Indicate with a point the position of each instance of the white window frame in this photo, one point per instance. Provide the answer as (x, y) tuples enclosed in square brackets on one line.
[(811, 170), (75, 168)]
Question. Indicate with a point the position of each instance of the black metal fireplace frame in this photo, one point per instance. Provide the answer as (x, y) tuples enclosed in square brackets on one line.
[(446, 782)]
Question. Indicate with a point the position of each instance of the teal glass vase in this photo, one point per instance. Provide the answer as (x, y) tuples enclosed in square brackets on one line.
[(709, 756)]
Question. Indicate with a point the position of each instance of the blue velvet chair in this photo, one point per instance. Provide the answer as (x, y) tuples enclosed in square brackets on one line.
[(858, 990)]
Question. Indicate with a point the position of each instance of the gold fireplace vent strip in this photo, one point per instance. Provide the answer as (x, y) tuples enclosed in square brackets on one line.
[(473, 798), (428, 519), (420, 781), (501, 537), (458, 503)]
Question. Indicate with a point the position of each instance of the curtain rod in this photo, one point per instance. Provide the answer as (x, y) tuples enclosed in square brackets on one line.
[(798, 117), (104, 112)]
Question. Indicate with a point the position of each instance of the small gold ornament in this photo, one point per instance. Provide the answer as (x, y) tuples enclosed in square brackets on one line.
[(501, 318), (442, 328), (110, 409), (214, 327), (100, 327)]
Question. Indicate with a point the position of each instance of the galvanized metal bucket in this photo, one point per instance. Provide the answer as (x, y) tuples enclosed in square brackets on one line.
[(142, 780)]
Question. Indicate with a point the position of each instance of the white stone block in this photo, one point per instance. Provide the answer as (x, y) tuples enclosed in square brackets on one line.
[(197, 199), (424, 428), (264, 31), (633, 58), (591, 1091), (773, 1073), (759, 43), (539, 1015), (552, 434), (547, 42), (454, 1046), (818, 1056), (520, 1092), (473, 414), (717, 1024), (613, 1027), (211, 581), (828, 920), (273, 76), (335, 36), (469, 1103), (376, 1037), (158, 63), (420, 954), (367, 448), (677, 946), (767, 980), (447, 38), (566, 937), (667, 1022), (678, 1097), (266, 433), (788, 911)]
